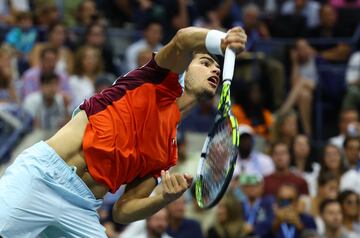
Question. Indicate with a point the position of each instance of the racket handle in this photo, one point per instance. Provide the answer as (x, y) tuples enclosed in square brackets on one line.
[(229, 64)]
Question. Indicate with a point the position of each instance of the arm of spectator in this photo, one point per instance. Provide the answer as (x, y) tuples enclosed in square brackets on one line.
[(136, 203), (34, 56), (338, 53), (295, 69)]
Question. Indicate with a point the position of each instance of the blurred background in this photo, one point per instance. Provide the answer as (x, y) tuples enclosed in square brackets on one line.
[(295, 93)]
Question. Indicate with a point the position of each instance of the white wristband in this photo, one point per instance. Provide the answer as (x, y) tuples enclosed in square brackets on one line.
[(213, 42)]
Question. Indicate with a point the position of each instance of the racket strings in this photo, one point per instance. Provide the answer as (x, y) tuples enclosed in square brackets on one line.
[(218, 160)]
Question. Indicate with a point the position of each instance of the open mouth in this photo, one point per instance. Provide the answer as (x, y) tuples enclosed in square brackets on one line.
[(214, 81)]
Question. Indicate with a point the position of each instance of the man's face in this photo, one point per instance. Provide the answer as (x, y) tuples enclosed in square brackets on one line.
[(332, 216), (281, 156), (352, 151), (253, 191), (347, 117), (50, 89), (246, 145), (157, 223), (202, 76), (287, 196), (153, 34), (48, 63), (328, 16)]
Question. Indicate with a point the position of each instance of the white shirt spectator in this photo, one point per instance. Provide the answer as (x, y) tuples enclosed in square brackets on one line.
[(134, 50), (351, 180), (81, 88), (338, 141), (353, 68), (310, 11), (138, 230), (310, 177), (257, 163), (50, 118)]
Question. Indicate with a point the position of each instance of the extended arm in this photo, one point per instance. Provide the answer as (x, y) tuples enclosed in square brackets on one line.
[(136, 203)]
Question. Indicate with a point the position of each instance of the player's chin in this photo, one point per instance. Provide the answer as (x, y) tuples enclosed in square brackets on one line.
[(207, 93)]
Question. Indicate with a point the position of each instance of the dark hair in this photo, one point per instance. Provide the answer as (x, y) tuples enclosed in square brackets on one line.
[(350, 138), (91, 26), (345, 194), (52, 27), (46, 50), (277, 143), (47, 78), (325, 203), (326, 177), (309, 159)]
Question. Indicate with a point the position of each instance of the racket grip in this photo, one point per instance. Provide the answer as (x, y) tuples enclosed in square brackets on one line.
[(229, 64)]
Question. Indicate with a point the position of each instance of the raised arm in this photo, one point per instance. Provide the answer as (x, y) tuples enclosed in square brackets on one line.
[(177, 54)]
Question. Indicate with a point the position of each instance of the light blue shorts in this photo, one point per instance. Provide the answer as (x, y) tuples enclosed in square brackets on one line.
[(40, 195)]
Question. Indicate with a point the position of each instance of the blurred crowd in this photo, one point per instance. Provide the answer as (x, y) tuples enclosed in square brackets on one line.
[(295, 94)]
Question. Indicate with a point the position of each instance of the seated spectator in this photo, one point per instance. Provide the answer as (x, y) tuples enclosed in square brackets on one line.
[(352, 97), (249, 110), (88, 67), (285, 128), (307, 8), (288, 221), (303, 79), (350, 205), (332, 161), (258, 212), (152, 36), (56, 37), (328, 188), (249, 159), (348, 117), (281, 156), (230, 222), (8, 92), (330, 211), (9, 8), (154, 226), (352, 151), (329, 28), (180, 226), (87, 13), (46, 15), (47, 106), (31, 78), (302, 162), (351, 179)]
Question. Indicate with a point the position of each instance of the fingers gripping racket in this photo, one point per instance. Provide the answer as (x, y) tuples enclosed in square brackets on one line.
[(219, 153)]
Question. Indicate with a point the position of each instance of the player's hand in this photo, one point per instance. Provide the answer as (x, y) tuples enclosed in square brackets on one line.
[(174, 185), (236, 39)]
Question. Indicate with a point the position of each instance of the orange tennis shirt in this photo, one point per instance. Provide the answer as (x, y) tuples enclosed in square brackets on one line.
[(132, 126)]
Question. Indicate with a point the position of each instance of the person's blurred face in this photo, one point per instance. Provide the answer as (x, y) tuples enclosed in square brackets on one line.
[(300, 4), (253, 191), (202, 76), (58, 35), (351, 206), (287, 193), (281, 157), (352, 151), (96, 36), (332, 158), (246, 145), (330, 189), (176, 209), (153, 34), (26, 23), (348, 117), (49, 61), (301, 147), (90, 60), (289, 126), (87, 11), (332, 216), (50, 89), (157, 223), (251, 18), (328, 16), (221, 212)]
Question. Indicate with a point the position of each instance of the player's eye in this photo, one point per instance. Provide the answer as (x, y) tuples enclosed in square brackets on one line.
[(205, 62)]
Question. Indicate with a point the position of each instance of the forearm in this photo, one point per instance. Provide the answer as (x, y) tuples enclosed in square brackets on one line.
[(126, 211)]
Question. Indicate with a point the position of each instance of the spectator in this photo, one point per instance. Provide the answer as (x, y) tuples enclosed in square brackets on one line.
[(330, 210), (47, 107), (8, 92), (229, 222), (352, 151), (152, 35), (302, 162), (180, 226), (250, 160), (9, 8), (347, 117), (46, 15), (285, 128), (351, 179), (119, 13), (249, 110), (56, 38), (303, 79), (289, 222), (328, 188), (352, 97), (332, 161), (87, 13), (350, 204), (95, 36), (306, 8), (88, 66), (281, 157), (31, 77), (258, 212)]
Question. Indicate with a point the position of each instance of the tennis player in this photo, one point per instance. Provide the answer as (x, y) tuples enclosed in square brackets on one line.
[(124, 135)]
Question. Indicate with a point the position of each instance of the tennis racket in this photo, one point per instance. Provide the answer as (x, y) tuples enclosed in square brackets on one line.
[(220, 150)]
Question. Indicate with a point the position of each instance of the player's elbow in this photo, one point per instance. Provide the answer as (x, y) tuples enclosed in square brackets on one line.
[(182, 39)]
